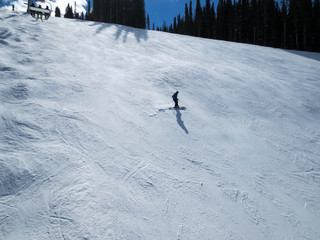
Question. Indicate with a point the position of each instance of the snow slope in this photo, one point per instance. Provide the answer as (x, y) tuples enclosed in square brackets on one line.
[(90, 149)]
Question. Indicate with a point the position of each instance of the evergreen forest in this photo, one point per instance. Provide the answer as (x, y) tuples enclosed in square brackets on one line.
[(287, 24), (125, 12)]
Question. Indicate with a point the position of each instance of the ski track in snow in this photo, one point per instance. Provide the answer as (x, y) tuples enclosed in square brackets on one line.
[(91, 148)]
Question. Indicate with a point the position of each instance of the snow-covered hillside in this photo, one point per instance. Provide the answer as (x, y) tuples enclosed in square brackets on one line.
[(90, 149)]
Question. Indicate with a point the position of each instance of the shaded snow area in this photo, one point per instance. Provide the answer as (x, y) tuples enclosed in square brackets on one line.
[(91, 148)]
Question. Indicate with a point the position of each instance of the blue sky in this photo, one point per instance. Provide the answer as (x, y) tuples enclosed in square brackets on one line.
[(158, 10), (166, 10)]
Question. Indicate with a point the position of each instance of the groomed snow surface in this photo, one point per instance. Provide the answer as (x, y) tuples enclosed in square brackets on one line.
[(90, 149)]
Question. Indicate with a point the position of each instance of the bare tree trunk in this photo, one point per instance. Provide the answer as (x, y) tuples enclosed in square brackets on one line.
[(285, 35), (265, 25), (305, 38), (297, 41)]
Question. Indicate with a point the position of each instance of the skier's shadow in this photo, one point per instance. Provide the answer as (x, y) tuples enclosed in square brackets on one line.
[(180, 122)]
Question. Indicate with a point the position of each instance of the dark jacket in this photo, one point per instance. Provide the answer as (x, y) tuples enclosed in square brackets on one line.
[(175, 96)]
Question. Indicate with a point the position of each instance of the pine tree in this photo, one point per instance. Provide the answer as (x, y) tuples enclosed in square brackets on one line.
[(208, 22), (293, 24), (88, 13), (180, 24), (307, 25), (220, 20), (229, 18), (254, 19), (148, 22), (175, 29), (198, 20), (164, 27), (284, 14), (191, 23), (187, 27), (295, 17), (316, 26), (69, 12), (300, 15), (130, 13), (76, 15), (213, 21), (141, 14), (57, 12)]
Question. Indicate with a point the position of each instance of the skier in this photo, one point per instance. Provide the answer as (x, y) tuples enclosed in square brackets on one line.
[(175, 99), (46, 16), (33, 13), (39, 15), (12, 7)]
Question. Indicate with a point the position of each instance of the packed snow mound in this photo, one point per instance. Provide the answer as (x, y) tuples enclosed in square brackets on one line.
[(91, 148)]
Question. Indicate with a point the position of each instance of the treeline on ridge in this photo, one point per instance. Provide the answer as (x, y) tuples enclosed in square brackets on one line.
[(125, 12), (288, 24)]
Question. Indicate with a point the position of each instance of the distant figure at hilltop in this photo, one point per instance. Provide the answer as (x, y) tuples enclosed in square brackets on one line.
[(175, 99), (12, 7)]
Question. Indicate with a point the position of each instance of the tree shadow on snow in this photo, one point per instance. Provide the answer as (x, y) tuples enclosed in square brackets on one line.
[(311, 55), (140, 34), (180, 122)]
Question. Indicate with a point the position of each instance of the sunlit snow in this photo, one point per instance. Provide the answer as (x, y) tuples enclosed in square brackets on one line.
[(90, 147)]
